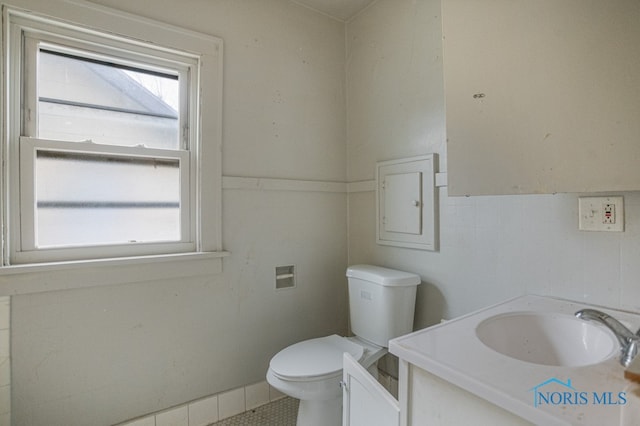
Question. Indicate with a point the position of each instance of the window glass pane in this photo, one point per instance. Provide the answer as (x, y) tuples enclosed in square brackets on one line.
[(80, 99), (94, 199)]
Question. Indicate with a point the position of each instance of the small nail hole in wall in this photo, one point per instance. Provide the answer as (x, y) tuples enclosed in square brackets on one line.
[(285, 277)]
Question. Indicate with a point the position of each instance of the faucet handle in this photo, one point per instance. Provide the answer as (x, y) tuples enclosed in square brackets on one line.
[(629, 353)]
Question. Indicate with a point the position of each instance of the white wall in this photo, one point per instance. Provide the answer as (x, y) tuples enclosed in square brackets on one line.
[(492, 248), (5, 362), (101, 355)]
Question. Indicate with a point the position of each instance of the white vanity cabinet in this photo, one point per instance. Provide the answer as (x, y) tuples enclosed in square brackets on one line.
[(542, 96), (425, 399), (449, 376)]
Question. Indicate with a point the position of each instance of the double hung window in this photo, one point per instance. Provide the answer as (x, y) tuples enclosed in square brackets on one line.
[(104, 150)]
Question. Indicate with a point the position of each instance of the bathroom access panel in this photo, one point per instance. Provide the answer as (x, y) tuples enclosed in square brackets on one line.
[(406, 202)]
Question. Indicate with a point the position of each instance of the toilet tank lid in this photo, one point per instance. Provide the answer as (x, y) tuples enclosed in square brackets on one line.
[(383, 276)]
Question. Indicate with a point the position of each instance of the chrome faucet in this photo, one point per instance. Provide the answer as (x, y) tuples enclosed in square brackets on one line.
[(628, 341)]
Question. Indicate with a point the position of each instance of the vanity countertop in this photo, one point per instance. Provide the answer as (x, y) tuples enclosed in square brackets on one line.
[(452, 351)]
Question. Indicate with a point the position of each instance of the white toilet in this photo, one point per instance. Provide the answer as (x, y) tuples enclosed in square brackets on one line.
[(382, 304)]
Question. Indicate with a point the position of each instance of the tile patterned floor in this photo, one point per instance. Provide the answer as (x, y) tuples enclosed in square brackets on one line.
[(282, 412)]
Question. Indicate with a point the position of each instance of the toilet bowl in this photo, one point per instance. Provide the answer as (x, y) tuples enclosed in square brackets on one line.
[(311, 371), (381, 304)]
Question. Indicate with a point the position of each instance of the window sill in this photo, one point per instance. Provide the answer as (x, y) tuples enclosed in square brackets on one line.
[(36, 278)]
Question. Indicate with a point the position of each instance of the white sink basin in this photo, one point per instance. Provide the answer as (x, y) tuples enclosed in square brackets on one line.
[(548, 338)]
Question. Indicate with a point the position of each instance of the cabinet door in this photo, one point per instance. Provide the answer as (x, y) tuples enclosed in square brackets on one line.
[(406, 202), (365, 401), (402, 204)]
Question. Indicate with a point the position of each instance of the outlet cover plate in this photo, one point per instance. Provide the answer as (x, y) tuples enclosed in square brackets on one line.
[(601, 214)]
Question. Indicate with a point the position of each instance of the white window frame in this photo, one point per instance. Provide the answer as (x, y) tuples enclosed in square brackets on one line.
[(110, 32), (25, 247)]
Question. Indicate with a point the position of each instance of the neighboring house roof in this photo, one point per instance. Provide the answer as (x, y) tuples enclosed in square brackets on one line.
[(118, 79), (134, 97)]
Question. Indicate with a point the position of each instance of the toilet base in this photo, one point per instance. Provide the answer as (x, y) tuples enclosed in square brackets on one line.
[(320, 413), (321, 397)]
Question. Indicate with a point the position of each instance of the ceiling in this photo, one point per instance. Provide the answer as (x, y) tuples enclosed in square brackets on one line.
[(339, 9)]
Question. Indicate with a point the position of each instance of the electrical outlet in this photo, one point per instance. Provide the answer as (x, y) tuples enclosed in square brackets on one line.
[(601, 214), (609, 214)]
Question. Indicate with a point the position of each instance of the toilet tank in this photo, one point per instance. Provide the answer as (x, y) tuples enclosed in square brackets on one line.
[(381, 302)]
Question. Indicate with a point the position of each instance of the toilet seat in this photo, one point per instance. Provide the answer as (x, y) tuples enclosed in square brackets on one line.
[(314, 358)]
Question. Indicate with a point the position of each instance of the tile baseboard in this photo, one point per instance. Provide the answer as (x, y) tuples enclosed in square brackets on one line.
[(212, 408)]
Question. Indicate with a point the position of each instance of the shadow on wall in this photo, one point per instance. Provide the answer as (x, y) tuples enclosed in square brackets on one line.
[(430, 305)]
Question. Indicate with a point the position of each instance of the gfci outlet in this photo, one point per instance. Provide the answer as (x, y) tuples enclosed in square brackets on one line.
[(601, 214)]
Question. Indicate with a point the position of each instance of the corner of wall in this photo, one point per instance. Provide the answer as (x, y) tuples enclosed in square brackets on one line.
[(5, 362)]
